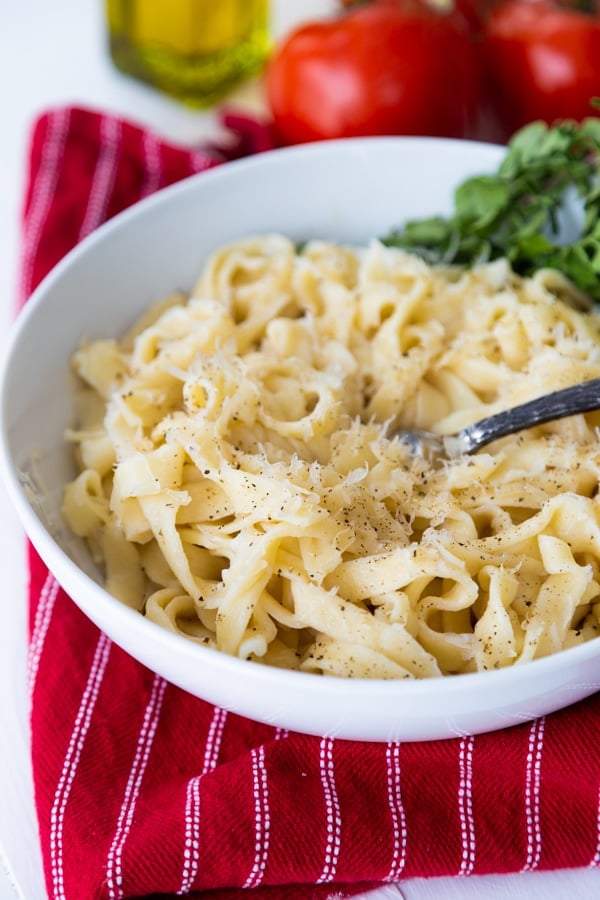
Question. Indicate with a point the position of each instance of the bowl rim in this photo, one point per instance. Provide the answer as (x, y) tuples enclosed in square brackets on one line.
[(226, 171)]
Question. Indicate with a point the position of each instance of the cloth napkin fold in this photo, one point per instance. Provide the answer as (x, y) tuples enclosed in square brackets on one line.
[(142, 789)]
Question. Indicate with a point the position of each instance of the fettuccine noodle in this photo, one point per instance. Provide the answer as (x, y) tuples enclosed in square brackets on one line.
[(241, 484)]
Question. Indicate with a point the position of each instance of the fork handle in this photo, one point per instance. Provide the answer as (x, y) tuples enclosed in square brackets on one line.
[(569, 401)]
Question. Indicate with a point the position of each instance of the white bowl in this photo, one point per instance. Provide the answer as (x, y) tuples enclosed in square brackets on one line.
[(344, 190)]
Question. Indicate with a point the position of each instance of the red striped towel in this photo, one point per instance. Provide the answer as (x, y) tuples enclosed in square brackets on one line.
[(142, 789)]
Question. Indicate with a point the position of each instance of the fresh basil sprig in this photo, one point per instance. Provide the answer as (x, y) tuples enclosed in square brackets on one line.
[(517, 213)]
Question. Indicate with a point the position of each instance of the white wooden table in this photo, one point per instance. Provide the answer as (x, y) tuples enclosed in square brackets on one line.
[(53, 53)]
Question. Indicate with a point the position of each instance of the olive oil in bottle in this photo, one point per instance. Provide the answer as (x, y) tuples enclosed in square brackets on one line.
[(195, 50)]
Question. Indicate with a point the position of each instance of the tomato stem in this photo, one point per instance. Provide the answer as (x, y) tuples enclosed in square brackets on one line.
[(584, 6)]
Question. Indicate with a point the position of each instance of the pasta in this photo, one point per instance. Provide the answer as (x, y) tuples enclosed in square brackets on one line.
[(241, 484)]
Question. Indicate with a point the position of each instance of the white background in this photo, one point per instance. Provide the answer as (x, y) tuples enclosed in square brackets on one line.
[(53, 53)]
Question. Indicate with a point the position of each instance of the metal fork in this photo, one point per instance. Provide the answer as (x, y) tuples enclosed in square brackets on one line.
[(569, 401)]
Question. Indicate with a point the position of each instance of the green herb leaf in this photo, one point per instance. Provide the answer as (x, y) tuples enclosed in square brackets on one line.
[(518, 212)]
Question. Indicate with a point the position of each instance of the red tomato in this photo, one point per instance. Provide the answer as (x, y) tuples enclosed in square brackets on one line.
[(542, 61), (379, 69)]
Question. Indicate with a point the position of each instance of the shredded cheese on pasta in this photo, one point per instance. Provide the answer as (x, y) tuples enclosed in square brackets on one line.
[(241, 484)]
